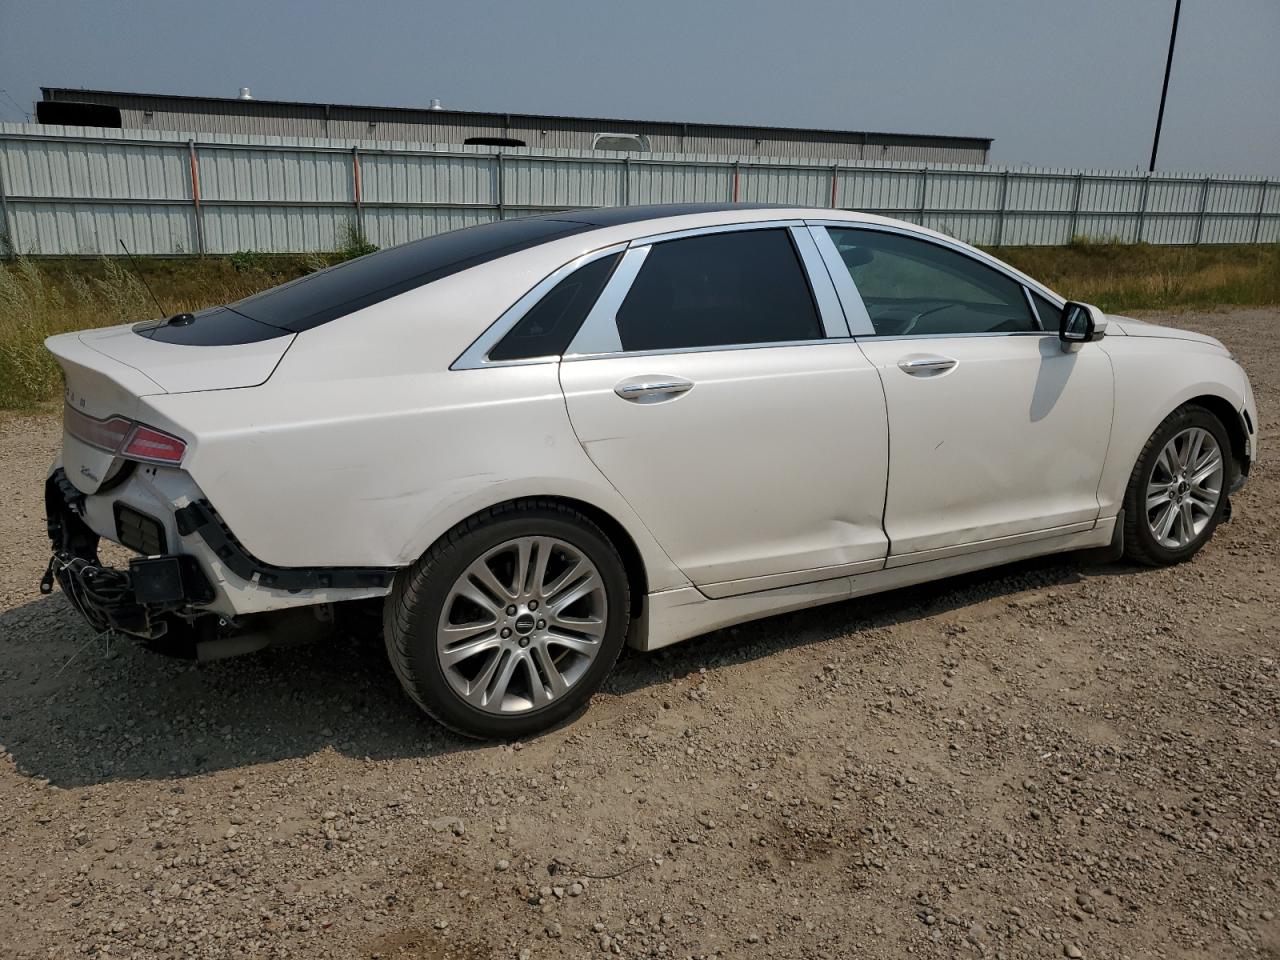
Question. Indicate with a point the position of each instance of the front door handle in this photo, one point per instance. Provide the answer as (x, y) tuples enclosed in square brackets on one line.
[(926, 366), (652, 389)]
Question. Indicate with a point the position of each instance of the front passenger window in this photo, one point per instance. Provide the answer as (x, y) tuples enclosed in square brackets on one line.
[(914, 287)]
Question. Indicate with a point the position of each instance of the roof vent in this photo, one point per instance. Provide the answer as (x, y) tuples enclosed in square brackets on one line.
[(245, 94), (435, 104)]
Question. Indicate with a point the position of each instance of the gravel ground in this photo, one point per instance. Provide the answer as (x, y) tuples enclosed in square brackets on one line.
[(1047, 760)]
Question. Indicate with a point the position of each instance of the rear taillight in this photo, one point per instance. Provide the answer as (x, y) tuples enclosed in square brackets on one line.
[(107, 434), (144, 443), (123, 437)]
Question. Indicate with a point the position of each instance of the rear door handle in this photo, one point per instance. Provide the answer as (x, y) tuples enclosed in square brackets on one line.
[(923, 366), (652, 389)]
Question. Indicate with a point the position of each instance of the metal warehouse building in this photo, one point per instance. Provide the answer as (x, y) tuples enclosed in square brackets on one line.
[(105, 108)]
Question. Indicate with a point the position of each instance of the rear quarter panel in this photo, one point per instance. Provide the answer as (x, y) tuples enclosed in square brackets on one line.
[(1153, 377)]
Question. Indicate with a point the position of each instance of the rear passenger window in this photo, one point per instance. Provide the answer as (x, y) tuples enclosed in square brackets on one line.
[(545, 331), (720, 289)]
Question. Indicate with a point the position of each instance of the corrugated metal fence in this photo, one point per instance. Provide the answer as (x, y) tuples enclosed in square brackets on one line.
[(74, 191)]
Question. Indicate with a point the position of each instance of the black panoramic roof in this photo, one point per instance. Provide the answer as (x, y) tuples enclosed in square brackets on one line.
[(615, 216), (327, 294)]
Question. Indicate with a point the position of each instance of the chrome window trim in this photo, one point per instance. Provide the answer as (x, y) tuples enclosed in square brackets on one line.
[(718, 348), (1031, 305), (955, 336), (964, 249), (653, 238), (1036, 313), (476, 356), (826, 300), (598, 334), (855, 311)]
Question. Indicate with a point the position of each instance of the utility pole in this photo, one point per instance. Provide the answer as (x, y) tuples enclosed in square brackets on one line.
[(1164, 90)]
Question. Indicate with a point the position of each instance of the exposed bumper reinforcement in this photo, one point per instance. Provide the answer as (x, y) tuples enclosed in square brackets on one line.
[(201, 519)]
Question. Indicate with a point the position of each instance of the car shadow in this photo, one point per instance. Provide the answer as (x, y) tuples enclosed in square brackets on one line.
[(77, 711)]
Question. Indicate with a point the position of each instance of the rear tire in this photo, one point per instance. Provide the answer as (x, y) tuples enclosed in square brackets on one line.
[(511, 621), (1177, 492)]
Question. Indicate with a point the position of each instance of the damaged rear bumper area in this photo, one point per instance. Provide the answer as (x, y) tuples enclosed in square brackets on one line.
[(157, 597)]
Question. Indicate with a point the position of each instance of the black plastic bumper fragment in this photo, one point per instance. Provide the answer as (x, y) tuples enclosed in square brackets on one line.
[(200, 518)]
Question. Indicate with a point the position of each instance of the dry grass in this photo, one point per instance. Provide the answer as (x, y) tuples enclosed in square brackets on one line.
[(1119, 277)]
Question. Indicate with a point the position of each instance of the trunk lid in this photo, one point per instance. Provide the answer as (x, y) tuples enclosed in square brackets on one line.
[(190, 366)]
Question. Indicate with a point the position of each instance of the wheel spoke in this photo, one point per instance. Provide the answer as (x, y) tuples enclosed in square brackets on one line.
[(465, 651), (556, 684), (1188, 532), (1157, 494), (1205, 470), (576, 644), (495, 689), (520, 579), (482, 574), (1166, 460), (1163, 525), (476, 691), (454, 633), (465, 588), (1206, 501), (1192, 451), (590, 626), (544, 548), (584, 587), (565, 578)]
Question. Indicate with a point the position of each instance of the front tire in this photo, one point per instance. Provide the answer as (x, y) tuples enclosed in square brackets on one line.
[(511, 621), (1178, 490)]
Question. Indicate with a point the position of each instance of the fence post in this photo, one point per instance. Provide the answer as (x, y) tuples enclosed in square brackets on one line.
[(502, 190), (626, 181), (357, 191), (1257, 224), (924, 191), (1004, 196), (11, 240), (1142, 209), (835, 183), (737, 167), (195, 195), (1204, 200), (1075, 206)]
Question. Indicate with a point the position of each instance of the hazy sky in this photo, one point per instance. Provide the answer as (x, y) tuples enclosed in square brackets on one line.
[(1054, 82)]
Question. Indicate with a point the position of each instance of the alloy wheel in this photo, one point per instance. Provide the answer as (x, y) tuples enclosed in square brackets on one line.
[(522, 625), (1184, 488)]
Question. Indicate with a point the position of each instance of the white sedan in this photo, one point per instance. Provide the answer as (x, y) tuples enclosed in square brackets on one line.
[(534, 440)]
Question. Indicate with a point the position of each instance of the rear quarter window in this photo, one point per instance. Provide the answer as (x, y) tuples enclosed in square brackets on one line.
[(549, 326)]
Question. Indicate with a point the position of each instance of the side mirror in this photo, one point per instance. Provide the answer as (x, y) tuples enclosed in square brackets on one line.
[(1081, 323)]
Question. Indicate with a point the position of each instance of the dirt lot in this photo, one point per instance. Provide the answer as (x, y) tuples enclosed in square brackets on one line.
[(1046, 760)]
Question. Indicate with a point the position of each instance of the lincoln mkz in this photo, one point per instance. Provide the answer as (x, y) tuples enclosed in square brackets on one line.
[(529, 442)]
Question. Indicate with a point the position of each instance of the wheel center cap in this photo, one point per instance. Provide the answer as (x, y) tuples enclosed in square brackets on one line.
[(524, 624)]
